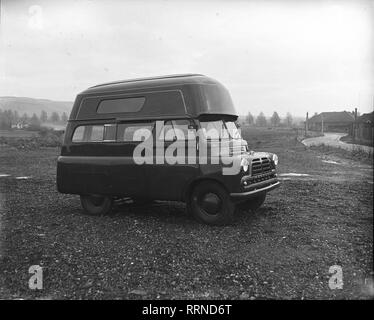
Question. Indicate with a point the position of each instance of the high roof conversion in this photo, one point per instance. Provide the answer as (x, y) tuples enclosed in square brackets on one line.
[(182, 95), (149, 78), (177, 79)]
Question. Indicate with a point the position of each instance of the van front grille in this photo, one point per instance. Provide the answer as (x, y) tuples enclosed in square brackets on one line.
[(261, 165)]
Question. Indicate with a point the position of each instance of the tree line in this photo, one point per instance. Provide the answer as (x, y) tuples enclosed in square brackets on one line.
[(10, 118), (274, 121)]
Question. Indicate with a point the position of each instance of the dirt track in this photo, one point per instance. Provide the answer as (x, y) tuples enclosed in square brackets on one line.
[(284, 250)]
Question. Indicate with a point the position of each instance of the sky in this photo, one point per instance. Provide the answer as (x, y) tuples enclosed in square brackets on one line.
[(284, 56)]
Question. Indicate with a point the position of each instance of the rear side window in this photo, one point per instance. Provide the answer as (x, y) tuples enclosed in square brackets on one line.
[(78, 135), (95, 133), (134, 131), (121, 105)]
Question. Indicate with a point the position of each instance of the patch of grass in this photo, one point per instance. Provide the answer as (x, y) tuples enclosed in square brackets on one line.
[(33, 140), (263, 138), (349, 139), (293, 155), (356, 154)]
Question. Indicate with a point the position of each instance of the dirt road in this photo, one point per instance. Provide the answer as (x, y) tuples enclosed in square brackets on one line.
[(321, 216), (333, 140)]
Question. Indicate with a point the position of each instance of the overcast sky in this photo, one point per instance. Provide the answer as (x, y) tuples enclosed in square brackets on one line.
[(288, 56)]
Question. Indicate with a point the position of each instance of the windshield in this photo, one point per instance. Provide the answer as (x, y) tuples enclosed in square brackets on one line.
[(217, 130), (233, 129)]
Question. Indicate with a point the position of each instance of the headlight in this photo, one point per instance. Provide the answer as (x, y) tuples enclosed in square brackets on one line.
[(275, 159), (244, 164)]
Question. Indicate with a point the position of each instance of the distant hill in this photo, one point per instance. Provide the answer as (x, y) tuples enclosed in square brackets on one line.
[(30, 105)]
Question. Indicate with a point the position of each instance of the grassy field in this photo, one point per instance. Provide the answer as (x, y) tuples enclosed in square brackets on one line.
[(17, 134), (22, 139), (284, 250)]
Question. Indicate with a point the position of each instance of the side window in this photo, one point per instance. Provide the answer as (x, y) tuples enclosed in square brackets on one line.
[(97, 133), (121, 105), (130, 132), (110, 131), (181, 129)]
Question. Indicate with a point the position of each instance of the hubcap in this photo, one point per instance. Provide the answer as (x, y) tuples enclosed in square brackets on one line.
[(210, 203), (97, 201)]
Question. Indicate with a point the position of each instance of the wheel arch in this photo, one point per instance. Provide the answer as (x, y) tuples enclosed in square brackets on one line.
[(188, 189)]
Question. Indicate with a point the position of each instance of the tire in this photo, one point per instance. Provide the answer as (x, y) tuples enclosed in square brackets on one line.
[(96, 205), (253, 204), (210, 203)]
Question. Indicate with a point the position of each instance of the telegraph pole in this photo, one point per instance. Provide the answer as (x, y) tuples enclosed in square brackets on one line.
[(355, 126), (306, 124)]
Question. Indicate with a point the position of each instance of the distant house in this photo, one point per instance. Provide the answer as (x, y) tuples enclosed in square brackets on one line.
[(364, 127), (20, 125), (332, 121)]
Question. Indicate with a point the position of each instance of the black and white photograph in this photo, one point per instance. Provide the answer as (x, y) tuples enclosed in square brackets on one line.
[(206, 152)]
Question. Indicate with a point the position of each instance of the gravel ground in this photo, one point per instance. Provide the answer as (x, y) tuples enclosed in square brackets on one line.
[(282, 251)]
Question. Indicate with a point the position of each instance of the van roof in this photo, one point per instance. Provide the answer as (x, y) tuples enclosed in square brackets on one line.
[(175, 79), (182, 95)]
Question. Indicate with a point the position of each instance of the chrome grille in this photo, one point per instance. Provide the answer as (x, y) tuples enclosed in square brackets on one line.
[(261, 165)]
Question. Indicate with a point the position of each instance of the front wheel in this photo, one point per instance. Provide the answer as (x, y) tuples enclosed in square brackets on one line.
[(253, 204), (96, 205), (210, 203)]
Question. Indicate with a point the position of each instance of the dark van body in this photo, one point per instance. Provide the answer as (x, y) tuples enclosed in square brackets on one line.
[(97, 156)]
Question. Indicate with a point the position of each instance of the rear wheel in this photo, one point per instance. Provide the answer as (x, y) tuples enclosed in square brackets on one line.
[(253, 204), (210, 203), (96, 205)]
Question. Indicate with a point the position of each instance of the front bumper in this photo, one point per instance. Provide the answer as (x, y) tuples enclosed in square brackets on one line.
[(255, 189)]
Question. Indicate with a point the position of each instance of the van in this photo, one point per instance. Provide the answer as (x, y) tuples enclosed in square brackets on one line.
[(172, 138)]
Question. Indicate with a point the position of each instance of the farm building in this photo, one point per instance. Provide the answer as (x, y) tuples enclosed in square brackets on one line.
[(364, 127), (331, 121)]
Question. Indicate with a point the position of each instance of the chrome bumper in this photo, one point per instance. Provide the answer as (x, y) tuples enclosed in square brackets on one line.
[(258, 188)]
